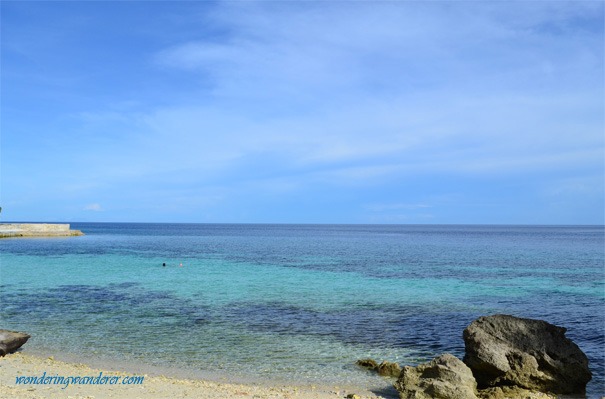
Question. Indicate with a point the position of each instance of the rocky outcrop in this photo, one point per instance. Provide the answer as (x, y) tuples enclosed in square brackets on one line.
[(505, 350), (10, 341), (445, 377), (506, 358)]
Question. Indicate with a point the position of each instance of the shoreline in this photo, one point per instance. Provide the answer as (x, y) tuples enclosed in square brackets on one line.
[(157, 383)]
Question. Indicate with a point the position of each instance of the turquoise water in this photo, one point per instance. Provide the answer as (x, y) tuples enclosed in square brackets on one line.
[(297, 302)]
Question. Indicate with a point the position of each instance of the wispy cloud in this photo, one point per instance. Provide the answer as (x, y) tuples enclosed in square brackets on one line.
[(235, 105), (416, 86)]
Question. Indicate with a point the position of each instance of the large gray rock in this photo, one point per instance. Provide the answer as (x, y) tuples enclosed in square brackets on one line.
[(10, 341), (445, 377), (504, 350)]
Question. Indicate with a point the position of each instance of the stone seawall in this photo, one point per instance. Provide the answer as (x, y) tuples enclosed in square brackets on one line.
[(37, 230)]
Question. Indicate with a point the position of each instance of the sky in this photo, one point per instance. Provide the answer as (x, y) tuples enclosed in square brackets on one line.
[(410, 112)]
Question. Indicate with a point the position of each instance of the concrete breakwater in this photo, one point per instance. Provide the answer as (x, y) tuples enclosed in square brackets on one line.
[(37, 230)]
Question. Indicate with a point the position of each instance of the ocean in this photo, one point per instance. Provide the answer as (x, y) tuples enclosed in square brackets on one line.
[(297, 303)]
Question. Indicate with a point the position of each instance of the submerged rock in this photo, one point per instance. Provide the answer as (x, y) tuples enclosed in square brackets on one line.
[(368, 364), (445, 377), (385, 369), (504, 350), (10, 341)]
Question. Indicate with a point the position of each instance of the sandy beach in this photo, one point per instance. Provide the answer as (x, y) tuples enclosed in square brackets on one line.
[(116, 384)]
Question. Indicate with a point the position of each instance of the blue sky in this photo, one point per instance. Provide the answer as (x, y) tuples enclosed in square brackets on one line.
[(303, 112)]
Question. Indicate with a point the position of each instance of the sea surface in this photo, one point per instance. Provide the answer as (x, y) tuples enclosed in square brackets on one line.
[(299, 303)]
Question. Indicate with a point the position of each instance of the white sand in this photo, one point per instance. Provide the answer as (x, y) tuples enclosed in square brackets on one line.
[(153, 386)]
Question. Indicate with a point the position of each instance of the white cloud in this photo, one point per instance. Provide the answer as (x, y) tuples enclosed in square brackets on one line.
[(95, 207)]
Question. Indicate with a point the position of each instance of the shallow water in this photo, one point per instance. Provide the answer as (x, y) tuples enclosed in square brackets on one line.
[(300, 302)]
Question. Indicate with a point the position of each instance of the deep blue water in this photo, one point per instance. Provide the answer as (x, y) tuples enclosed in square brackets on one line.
[(301, 302)]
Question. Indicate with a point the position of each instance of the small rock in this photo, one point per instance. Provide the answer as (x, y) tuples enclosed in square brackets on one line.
[(353, 396), (10, 341)]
